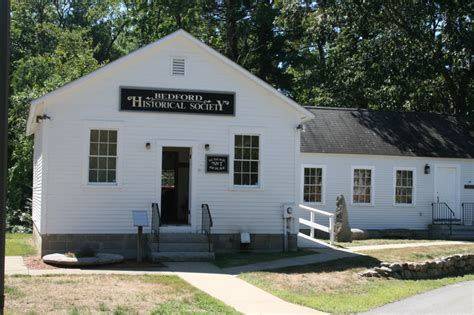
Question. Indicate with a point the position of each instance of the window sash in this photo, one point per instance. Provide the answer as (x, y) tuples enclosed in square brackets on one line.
[(103, 156), (362, 186), (313, 184), (246, 160), (404, 187)]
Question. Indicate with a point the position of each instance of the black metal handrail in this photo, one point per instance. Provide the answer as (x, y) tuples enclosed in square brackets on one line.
[(206, 223), (442, 214), (156, 223), (468, 213)]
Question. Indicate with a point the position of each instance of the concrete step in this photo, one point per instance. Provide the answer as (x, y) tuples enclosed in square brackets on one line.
[(181, 247), (182, 256)]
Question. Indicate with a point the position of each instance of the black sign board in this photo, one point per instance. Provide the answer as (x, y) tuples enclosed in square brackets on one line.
[(177, 101), (217, 163), (468, 186)]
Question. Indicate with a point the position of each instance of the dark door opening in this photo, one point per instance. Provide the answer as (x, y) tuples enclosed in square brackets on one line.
[(175, 185)]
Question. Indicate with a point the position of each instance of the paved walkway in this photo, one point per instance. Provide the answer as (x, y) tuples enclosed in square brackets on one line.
[(323, 255), (405, 245), (453, 299), (235, 292)]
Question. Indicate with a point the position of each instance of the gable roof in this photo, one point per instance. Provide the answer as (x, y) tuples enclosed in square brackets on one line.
[(305, 114), (358, 131)]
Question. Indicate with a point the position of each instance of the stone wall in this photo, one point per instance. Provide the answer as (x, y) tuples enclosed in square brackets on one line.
[(455, 265)]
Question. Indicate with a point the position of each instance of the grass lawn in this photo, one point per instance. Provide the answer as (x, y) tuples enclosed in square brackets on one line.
[(240, 259), (108, 294), (19, 244), (335, 287)]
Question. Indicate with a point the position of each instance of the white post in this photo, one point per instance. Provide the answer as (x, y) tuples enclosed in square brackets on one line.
[(331, 230), (311, 218)]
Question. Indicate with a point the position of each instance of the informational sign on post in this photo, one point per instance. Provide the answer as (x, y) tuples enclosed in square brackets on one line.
[(140, 219)]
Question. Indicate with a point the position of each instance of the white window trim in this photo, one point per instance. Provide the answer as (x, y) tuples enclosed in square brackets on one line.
[(323, 183), (89, 125), (414, 188), (372, 185), (247, 131)]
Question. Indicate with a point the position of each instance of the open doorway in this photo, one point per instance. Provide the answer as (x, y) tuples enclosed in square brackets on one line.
[(175, 185)]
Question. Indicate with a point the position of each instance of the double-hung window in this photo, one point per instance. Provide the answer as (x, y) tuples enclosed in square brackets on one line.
[(404, 186), (103, 156), (246, 160), (362, 185), (313, 184)]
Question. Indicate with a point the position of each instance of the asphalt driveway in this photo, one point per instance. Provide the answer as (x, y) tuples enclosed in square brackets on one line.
[(453, 299)]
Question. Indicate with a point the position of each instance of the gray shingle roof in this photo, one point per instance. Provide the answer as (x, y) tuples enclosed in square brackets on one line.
[(357, 131)]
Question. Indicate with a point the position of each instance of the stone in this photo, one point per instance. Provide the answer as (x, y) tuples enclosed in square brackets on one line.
[(395, 267), (99, 259), (406, 274), (342, 228), (359, 234)]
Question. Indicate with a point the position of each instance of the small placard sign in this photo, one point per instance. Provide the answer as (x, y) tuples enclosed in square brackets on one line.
[(217, 163), (468, 186), (140, 218)]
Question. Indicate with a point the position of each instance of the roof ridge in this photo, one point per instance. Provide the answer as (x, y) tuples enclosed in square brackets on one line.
[(375, 110)]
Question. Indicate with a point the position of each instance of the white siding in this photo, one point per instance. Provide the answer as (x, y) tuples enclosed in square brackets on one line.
[(75, 207), (383, 214), (38, 163)]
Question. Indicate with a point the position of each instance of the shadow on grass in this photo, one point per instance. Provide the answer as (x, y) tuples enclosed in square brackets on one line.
[(341, 264)]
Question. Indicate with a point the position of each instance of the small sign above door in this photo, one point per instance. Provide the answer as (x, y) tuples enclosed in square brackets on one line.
[(217, 163), (177, 101)]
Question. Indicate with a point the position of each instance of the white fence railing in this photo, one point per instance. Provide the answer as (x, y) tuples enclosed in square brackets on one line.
[(311, 223)]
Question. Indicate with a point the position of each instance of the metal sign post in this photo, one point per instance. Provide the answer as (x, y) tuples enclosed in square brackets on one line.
[(4, 85), (140, 219)]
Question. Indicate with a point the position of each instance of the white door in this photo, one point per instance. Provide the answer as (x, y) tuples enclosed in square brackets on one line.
[(447, 187)]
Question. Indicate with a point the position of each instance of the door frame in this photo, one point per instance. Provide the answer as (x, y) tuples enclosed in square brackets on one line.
[(457, 186), (193, 167)]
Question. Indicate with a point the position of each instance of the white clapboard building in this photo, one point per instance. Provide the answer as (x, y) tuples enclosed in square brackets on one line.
[(215, 156)]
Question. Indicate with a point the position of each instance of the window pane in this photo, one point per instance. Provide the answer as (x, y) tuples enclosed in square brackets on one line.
[(102, 163), (255, 141), (103, 136), (237, 179), (102, 176), (238, 141), (254, 179), (247, 141), (238, 153), (254, 167), (245, 167), (246, 154), (237, 166), (111, 163), (113, 136), (92, 176), (111, 176), (94, 149), (93, 163), (103, 149), (112, 149), (245, 179), (254, 155), (94, 135)]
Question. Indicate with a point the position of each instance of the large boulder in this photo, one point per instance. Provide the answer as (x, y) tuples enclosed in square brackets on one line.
[(342, 227)]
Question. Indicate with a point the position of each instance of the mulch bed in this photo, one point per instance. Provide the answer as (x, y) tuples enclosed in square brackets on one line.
[(35, 262)]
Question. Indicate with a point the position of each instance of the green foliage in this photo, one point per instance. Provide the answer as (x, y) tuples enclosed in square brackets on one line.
[(402, 56)]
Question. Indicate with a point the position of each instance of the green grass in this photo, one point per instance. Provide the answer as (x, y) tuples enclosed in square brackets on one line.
[(335, 287), (240, 259), (19, 244), (109, 294)]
